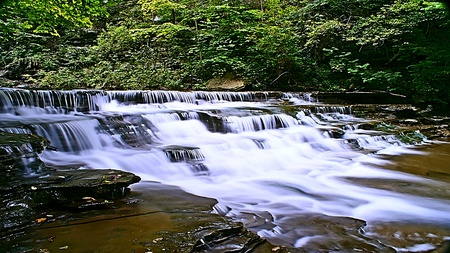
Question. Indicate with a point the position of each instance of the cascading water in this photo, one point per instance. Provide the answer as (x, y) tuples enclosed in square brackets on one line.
[(267, 168)]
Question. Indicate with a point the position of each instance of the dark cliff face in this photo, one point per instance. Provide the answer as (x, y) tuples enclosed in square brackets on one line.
[(26, 184)]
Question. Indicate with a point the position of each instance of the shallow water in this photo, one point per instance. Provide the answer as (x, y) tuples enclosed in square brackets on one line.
[(153, 218), (414, 235), (274, 164)]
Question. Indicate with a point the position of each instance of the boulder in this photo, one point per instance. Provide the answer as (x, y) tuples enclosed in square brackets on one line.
[(227, 82)]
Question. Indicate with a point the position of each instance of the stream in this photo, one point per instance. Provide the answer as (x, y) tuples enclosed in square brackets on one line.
[(297, 171)]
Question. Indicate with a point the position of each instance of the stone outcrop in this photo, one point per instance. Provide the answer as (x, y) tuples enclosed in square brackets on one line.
[(26, 184), (227, 82)]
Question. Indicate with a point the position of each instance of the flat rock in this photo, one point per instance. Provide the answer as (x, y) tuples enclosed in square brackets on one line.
[(69, 189), (57, 187)]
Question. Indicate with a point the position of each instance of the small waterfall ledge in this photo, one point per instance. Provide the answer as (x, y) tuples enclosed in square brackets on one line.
[(283, 164)]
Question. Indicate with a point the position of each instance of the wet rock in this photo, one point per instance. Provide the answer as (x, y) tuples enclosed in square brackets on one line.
[(219, 236), (366, 126), (323, 232), (333, 132), (408, 236), (71, 189), (435, 120), (387, 112), (70, 186), (213, 121), (229, 239), (404, 111), (26, 184), (191, 155), (16, 213), (432, 131), (18, 156), (118, 126), (410, 121), (200, 169)]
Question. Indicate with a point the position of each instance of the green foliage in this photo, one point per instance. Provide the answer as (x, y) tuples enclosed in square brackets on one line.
[(44, 17), (414, 137), (163, 8), (30, 34), (386, 127), (392, 45)]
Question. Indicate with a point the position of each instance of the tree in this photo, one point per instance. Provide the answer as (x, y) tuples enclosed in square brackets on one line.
[(30, 29), (46, 17)]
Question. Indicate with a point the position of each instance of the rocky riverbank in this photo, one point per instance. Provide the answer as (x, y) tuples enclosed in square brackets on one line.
[(103, 210), (86, 210), (28, 186), (153, 218)]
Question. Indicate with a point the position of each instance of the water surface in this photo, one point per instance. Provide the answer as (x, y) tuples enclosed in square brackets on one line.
[(296, 171)]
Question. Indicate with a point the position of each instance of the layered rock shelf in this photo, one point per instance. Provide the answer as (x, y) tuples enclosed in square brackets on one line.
[(40, 204), (27, 185)]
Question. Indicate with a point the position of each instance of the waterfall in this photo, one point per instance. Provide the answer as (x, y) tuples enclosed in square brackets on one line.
[(72, 136), (260, 122), (266, 154), (72, 100), (159, 97), (19, 157)]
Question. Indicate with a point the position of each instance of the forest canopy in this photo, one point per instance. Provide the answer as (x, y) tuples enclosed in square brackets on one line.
[(329, 45)]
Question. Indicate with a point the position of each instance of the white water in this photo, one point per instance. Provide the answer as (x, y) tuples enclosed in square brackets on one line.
[(263, 161)]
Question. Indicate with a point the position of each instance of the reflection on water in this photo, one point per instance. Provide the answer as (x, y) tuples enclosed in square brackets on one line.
[(433, 164)]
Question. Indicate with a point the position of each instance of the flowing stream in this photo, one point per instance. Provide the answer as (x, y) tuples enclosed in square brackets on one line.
[(296, 171)]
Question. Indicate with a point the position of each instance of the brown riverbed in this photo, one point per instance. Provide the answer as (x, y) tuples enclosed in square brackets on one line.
[(153, 218), (434, 164), (415, 235)]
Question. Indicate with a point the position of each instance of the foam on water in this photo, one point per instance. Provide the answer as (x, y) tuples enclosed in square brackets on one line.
[(263, 161)]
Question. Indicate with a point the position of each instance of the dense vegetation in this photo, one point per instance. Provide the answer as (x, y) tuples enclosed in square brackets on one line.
[(336, 45)]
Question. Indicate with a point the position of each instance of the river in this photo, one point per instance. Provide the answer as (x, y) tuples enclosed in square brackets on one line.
[(295, 170)]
